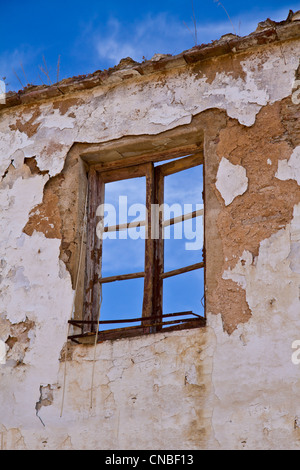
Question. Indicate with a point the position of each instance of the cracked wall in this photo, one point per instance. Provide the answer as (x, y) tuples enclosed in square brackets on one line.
[(230, 385)]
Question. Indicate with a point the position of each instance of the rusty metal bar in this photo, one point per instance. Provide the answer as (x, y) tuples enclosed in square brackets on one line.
[(128, 320), (146, 328)]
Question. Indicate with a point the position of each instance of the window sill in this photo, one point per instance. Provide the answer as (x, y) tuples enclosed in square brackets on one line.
[(133, 331)]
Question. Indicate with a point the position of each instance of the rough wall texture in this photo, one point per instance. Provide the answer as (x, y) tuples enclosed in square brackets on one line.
[(230, 385)]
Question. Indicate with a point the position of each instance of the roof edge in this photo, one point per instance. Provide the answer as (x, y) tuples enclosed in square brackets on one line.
[(267, 32)]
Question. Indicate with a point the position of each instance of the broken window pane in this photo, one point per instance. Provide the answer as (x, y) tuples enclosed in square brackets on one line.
[(184, 187), (124, 256), (125, 201), (124, 250), (121, 300), (184, 244), (184, 292), (125, 239)]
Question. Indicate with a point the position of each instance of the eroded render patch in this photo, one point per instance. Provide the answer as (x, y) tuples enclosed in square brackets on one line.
[(46, 399), (48, 130), (14, 340), (27, 126), (277, 254), (60, 214), (45, 217), (247, 411), (264, 209), (65, 105), (18, 340)]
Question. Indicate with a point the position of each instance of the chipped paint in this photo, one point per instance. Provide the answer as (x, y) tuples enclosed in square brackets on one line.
[(261, 363), (231, 181), (2, 352), (290, 169), (101, 115)]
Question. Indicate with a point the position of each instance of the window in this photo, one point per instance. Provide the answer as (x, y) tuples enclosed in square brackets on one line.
[(147, 219)]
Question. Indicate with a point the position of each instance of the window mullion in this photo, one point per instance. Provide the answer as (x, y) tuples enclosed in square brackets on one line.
[(92, 287), (149, 246), (159, 248)]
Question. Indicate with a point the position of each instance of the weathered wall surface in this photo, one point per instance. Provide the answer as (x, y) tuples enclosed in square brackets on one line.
[(147, 393), (230, 385)]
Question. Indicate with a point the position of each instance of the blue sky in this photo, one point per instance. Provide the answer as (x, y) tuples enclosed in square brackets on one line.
[(123, 253), (95, 34)]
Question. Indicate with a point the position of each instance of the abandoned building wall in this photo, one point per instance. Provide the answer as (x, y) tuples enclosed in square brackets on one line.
[(231, 384)]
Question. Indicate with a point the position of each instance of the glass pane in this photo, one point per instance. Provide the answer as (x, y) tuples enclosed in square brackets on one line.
[(184, 292), (121, 300)]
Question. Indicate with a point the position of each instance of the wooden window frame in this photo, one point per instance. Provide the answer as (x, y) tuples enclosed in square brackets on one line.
[(152, 318)]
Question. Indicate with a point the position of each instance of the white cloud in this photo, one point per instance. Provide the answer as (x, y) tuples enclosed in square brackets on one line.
[(164, 34), (17, 67), (154, 34)]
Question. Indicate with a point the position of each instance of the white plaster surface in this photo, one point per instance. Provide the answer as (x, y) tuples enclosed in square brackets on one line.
[(290, 169), (231, 181), (264, 383), (2, 352), (199, 388)]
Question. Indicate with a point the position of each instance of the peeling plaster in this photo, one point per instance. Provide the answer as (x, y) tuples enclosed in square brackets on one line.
[(290, 169), (36, 287), (146, 386), (173, 102), (2, 352), (262, 375), (231, 181)]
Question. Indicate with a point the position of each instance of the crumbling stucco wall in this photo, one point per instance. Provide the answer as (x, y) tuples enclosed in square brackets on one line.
[(230, 385)]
